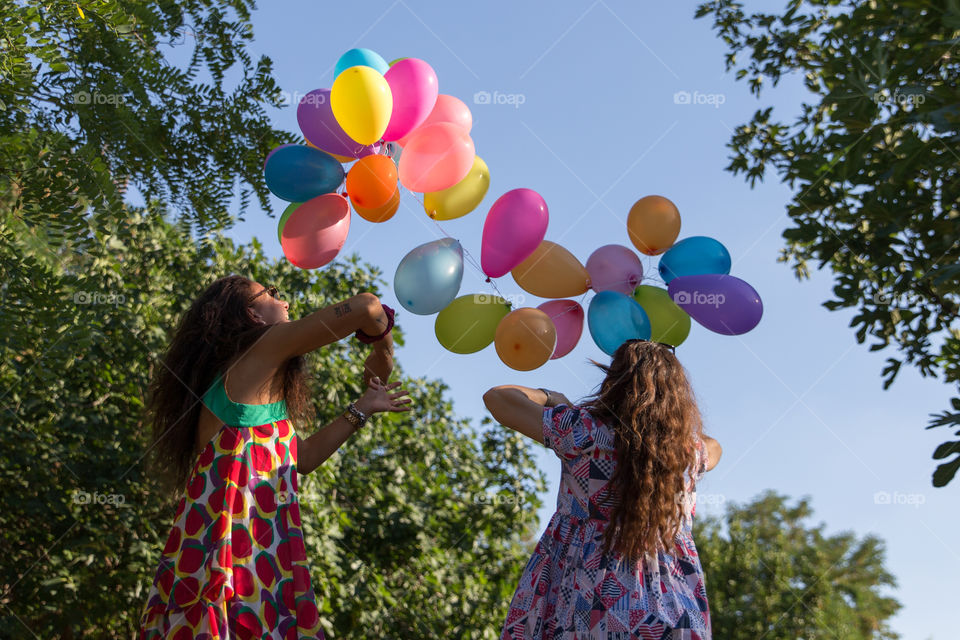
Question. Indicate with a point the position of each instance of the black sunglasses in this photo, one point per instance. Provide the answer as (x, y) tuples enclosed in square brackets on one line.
[(672, 348), (271, 290)]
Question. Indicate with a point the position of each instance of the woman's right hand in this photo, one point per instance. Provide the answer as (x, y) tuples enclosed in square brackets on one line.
[(380, 398)]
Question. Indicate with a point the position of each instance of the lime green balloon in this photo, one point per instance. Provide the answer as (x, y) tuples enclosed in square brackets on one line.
[(469, 323), (283, 218), (668, 322), (393, 62)]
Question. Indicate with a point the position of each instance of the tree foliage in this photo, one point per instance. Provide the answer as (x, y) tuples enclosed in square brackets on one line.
[(874, 162)]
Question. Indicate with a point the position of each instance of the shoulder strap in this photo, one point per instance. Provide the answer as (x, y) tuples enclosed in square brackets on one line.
[(238, 414)]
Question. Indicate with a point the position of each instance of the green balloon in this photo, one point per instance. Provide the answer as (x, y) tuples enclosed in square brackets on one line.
[(668, 322), (469, 323), (283, 219), (393, 62)]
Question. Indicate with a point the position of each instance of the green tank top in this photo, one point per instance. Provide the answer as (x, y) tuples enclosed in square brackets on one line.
[(237, 414)]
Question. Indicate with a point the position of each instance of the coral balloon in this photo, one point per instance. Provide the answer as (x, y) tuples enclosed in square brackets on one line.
[(362, 103), (551, 272), (316, 230), (614, 267), (567, 317), (614, 318), (447, 109), (297, 173), (514, 228), (525, 339), (461, 198), (668, 322), (436, 158), (382, 213), (693, 256), (722, 303), (321, 129), (653, 225), (428, 278), (414, 86), (469, 323), (372, 181)]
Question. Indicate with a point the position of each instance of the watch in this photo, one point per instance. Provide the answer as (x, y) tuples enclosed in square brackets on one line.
[(354, 416)]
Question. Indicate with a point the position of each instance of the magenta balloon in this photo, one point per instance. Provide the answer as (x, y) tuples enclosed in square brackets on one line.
[(447, 109), (515, 226), (437, 157), (614, 267), (413, 84), (720, 302), (316, 230), (320, 127), (567, 316)]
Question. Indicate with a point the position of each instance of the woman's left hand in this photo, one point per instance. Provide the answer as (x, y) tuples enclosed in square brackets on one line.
[(379, 398)]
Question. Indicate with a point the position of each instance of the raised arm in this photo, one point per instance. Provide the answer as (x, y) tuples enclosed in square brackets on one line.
[(521, 408)]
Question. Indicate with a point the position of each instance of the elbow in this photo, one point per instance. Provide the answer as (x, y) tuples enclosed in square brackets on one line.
[(490, 400)]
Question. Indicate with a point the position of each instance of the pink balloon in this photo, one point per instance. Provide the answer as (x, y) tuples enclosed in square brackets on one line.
[(316, 230), (413, 84), (614, 267), (437, 157), (515, 226), (567, 316), (447, 109)]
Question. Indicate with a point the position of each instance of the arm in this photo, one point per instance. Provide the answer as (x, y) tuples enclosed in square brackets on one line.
[(521, 408), (714, 451)]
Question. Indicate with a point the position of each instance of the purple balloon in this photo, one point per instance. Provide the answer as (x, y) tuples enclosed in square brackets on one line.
[(614, 267), (720, 302), (514, 228), (320, 127)]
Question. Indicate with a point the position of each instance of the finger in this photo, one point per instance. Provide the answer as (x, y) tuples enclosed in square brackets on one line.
[(394, 385), (399, 395)]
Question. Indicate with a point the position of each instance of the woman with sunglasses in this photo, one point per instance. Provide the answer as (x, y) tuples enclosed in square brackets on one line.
[(617, 558), (223, 405)]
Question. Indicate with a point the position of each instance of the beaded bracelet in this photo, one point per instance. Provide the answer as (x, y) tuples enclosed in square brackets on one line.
[(354, 416)]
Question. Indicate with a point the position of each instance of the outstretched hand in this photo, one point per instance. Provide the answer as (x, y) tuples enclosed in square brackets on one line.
[(380, 397)]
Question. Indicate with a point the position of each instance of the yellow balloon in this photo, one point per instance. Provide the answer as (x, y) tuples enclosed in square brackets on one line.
[(461, 198), (362, 103), (525, 339), (551, 272), (469, 323)]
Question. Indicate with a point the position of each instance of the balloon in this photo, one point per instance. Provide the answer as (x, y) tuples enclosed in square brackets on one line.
[(551, 272), (413, 84), (321, 129), (393, 150), (372, 182), (567, 317), (653, 225), (395, 61), (525, 339), (362, 103), (693, 256), (382, 213), (514, 228), (469, 323), (722, 303), (447, 109), (316, 230), (614, 318), (614, 267), (364, 57), (428, 278), (275, 149), (461, 198), (436, 157), (297, 173), (284, 217), (668, 322)]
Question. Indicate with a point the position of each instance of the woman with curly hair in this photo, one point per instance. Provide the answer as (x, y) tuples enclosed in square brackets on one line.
[(223, 405), (617, 559)]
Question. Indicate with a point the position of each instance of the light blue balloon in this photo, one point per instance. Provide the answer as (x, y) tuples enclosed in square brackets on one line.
[(614, 318), (356, 57), (297, 173), (428, 278), (694, 256)]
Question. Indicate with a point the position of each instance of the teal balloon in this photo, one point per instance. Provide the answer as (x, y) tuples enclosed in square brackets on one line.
[(694, 256), (614, 318), (297, 173), (428, 278), (358, 57)]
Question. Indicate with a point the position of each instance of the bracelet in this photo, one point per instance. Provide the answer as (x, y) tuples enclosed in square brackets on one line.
[(354, 416), (367, 338), (546, 391)]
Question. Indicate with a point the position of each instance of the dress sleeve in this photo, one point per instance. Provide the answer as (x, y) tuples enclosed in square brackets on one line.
[(568, 430)]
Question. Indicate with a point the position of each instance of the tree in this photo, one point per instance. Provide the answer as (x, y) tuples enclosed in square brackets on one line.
[(771, 575), (873, 162)]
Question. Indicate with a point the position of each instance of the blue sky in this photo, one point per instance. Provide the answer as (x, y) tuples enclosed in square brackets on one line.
[(589, 119)]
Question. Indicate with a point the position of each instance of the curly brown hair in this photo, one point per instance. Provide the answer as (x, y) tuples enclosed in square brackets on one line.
[(211, 334), (647, 402)]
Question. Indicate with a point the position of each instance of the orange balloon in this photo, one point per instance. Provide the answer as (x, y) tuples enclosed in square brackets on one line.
[(525, 339), (653, 225), (380, 214), (551, 272), (372, 181)]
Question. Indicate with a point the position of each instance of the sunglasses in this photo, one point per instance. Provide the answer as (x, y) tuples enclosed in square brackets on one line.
[(271, 290), (672, 348)]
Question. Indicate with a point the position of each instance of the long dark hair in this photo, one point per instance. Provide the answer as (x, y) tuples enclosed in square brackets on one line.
[(212, 333), (647, 401)]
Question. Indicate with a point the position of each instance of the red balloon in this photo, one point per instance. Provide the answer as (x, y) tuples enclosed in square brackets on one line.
[(316, 230)]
